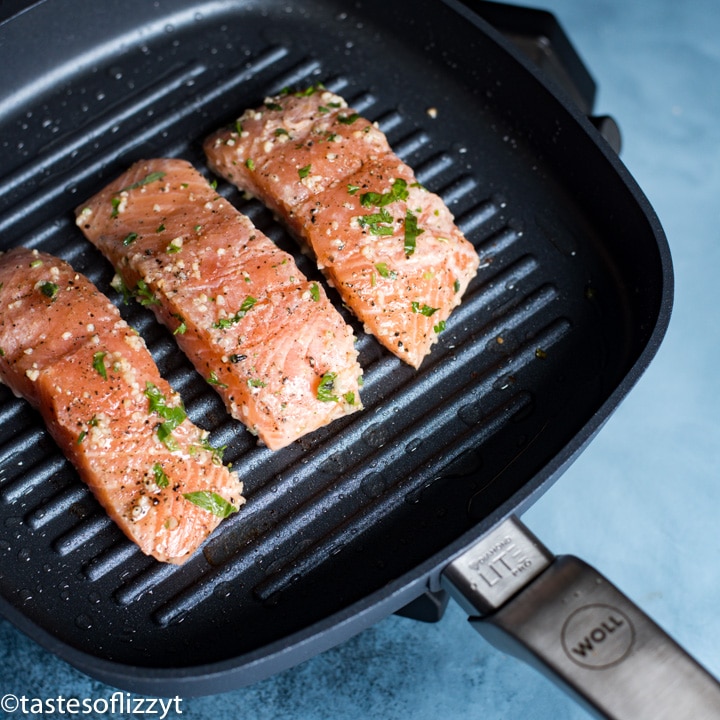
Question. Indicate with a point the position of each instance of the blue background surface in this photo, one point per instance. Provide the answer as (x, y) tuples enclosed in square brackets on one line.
[(641, 503)]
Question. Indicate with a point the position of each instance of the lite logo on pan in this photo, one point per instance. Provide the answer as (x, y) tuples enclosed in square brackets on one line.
[(504, 559), (597, 636)]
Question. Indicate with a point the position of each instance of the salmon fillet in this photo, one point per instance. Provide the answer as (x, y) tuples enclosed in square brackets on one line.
[(65, 348), (389, 246), (267, 338)]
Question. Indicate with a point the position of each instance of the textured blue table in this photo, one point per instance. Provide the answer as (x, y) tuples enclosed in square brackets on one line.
[(641, 503)]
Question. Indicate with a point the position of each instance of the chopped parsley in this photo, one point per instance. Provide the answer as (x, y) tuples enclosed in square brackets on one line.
[(348, 119), (115, 203), (161, 478), (217, 452), (423, 309), (212, 502), (118, 284), (144, 294), (309, 90), (99, 364), (303, 172), (225, 323), (352, 189), (49, 289), (181, 329), (384, 271), (411, 232), (439, 327), (152, 177), (326, 387), (315, 292), (174, 246), (379, 223), (94, 422), (172, 416), (214, 380), (398, 191), (256, 383), (281, 131), (250, 164), (130, 238)]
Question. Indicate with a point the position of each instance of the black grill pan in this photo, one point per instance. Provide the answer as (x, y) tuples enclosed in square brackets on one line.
[(359, 519)]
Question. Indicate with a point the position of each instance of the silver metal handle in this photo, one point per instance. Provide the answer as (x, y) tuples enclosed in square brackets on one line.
[(563, 617)]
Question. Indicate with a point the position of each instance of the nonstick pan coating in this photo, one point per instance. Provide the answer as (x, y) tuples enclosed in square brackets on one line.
[(353, 522)]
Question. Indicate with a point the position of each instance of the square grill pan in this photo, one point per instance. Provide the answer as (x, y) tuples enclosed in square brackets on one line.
[(358, 519)]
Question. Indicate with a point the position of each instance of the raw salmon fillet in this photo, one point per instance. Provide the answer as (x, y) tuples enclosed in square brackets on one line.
[(65, 348), (389, 246), (262, 334)]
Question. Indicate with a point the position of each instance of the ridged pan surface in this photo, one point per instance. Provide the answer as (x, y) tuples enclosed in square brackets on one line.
[(567, 298)]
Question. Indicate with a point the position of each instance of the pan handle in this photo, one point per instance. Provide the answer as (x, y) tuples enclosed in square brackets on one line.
[(563, 617)]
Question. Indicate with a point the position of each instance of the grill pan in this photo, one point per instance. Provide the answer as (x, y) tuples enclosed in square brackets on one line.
[(363, 517)]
